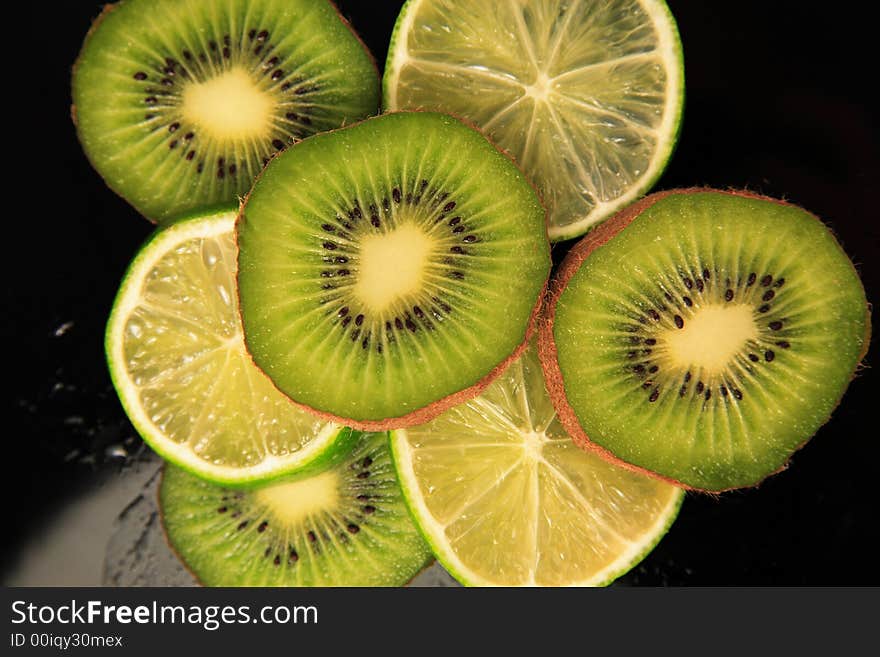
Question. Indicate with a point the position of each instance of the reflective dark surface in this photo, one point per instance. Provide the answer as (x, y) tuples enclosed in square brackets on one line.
[(779, 100)]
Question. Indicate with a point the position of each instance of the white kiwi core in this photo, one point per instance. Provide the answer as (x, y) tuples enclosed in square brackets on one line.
[(229, 106), (712, 337), (293, 502), (392, 265)]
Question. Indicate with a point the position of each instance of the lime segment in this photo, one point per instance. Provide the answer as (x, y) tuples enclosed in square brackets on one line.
[(505, 497), (587, 96), (177, 358)]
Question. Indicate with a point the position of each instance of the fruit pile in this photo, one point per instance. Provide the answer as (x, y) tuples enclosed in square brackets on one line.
[(341, 336)]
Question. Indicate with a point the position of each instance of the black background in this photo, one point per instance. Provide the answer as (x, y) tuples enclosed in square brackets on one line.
[(779, 100)]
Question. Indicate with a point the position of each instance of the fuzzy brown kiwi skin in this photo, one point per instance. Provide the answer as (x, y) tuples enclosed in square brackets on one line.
[(432, 410), (105, 11), (369, 52), (547, 350), (164, 526)]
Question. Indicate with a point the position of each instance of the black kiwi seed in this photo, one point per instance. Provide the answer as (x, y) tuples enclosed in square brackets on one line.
[(751, 280), (775, 326), (769, 356), (766, 280), (728, 295), (679, 322)]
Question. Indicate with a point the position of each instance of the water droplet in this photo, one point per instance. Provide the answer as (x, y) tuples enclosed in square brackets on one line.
[(224, 294), (62, 329), (116, 452), (211, 253)]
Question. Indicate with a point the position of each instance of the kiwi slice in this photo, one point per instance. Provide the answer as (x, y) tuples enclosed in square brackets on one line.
[(343, 525), (178, 105), (389, 270), (704, 336)]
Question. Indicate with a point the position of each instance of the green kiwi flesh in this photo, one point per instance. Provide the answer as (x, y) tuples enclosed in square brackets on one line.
[(344, 525), (388, 270), (179, 103), (704, 336)]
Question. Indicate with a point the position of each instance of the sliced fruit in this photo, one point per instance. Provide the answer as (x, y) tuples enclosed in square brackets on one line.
[(177, 358), (343, 525), (586, 95), (704, 336), (178, 105), (389, 269), (505, 498)]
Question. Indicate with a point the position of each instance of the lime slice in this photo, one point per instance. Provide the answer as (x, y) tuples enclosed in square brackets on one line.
[(586, 95), (505, 498), (178, 361)]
